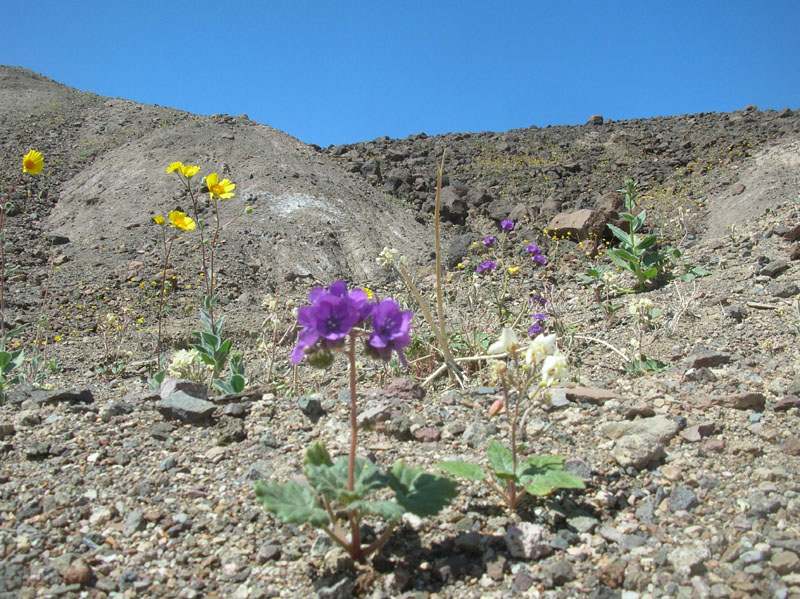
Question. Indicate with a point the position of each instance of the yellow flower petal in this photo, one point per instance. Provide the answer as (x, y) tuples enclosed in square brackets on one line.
[(32, 163), (180, 221), (174, 166), (159, 219), (222, 189), (189, 170)]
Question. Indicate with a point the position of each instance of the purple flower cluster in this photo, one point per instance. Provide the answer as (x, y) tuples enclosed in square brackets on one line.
[(489, 240), (535, 252), (484, 266), (537, 327), (507, 225), (333, 314)]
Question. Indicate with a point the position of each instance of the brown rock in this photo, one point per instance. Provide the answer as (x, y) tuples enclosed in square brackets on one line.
[(577, 225), (792, 234), (592, 395), (427, 434), (79, 572), (787, 403), (785, 562), (742, 401), (792, 446), (404, 388)]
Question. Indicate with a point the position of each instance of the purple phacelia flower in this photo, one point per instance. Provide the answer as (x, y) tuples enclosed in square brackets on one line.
[(533, 249), (331, 316), (539, 259), (390, 330), (489, 240), (538, 299), (538, 326), (488, 265), (507, 225)]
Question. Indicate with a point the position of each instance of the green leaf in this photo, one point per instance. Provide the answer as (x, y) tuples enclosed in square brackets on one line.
[(545, 474), (501, 460), (291, 502), (619, 234), (331, 481), (388, 510), (646, 242), (317, 455), (462, 469), (419, 492)]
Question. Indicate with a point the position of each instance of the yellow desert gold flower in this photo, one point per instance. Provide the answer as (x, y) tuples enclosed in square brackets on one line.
[(32, 163), (180, 221), (369, 293), (159, 220), (222, 189), (187, 170), (512, 270)]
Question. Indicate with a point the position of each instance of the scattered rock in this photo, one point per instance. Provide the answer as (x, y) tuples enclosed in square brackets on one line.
[(186, 408), (528, 541), (637, 450)]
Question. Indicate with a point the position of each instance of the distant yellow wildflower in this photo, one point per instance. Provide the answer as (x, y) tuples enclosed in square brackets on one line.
[(512, 270), (32, 163), (369, 293), (180, 221), (187, 170), (159, 220), (222, 189)]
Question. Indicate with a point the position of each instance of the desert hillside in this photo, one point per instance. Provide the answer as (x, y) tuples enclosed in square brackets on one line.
[(677, 410)]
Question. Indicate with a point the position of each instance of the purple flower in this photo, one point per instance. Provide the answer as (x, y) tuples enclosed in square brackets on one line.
[(539, 259), (488, 265), (507, 225), (533, 249), (390, 330), (538, 299), (331, 316), (489, 240), (538, 326)]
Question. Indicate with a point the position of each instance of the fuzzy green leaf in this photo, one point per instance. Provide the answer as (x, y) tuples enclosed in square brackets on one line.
[(291, 502), (317, 455), (620, 234), (331, 481), (420, 492), (462, 469), (501, 460), (388, 510)]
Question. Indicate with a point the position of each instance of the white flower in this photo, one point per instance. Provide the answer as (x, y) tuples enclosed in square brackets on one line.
[(386, 257), (508, 342), (553, 369), (539, 348), (187, 364), (641, 306)]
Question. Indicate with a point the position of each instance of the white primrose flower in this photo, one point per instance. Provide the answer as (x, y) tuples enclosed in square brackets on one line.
[(553, 369), (386, 257), (508, 342), (541, 347)]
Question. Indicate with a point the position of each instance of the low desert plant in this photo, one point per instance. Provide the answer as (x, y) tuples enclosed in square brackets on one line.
[(339, 495), (524, 380)]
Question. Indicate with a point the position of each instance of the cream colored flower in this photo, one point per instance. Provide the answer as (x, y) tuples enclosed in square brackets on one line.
[(541, 347), (553, 369), (508, 343)]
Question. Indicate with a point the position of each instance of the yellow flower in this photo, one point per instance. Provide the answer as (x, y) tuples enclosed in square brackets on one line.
[(180, 221), (222, 189), (369, 293), (57, 338), (159, 220), (187, 170), (32, 163), (512, 270)]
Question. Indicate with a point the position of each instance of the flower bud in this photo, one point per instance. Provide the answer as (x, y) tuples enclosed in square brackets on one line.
[(322, 358)]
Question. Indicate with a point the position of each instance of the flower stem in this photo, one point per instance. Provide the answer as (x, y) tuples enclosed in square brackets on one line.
[(351, 466)]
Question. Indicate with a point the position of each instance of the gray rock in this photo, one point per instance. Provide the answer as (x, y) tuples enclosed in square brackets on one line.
[(595, 119), (637, 450), (134, 522), (660, 427), (528, 541), (187, 408), (7, 430), (579, 468), (559, 571), (168, 464), (682, 498), (260, 470), (583, 523), (783, 289), (774, 268), (171, 385), (374, 414), (478, 433), (688, 560), (400, 427), (704, 358), (161, 430), (41, 396), (311, 407), (115, 408)]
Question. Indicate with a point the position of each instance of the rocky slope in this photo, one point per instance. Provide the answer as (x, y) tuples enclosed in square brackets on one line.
[(107, 490)]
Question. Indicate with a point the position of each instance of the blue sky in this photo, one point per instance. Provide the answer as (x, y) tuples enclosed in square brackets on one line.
[(338, 72)]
